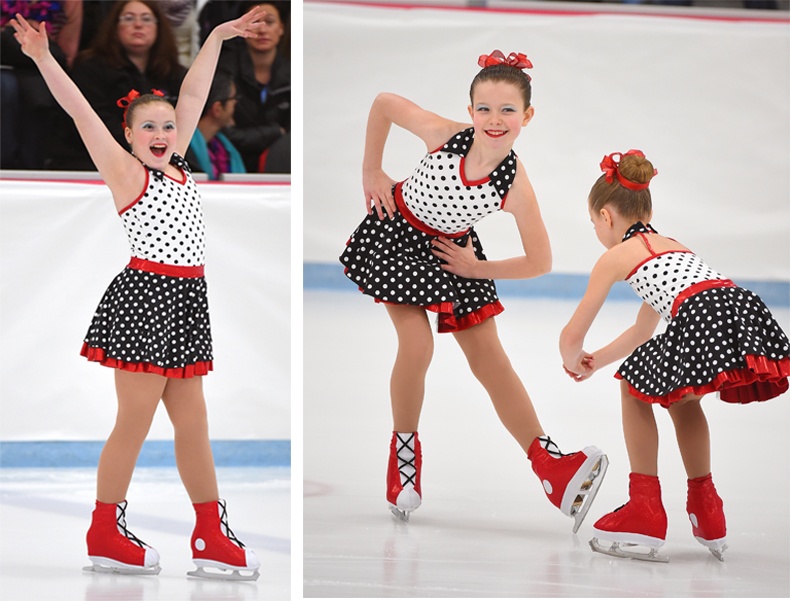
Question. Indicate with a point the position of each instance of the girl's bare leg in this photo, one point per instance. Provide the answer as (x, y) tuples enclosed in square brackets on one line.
[(138, 396), (641, 433), (691, 429), (186, 407), (491, 366), (415, 351)]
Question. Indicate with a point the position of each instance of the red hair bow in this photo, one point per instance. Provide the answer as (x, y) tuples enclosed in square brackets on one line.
[(131, 97), (611, 168), (514, 59)]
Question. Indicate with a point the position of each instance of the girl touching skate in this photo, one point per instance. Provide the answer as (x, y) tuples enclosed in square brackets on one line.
[(152, 325), (719, 338), (417, 252)]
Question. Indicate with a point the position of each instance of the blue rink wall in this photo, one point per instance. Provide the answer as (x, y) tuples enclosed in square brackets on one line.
[(61, 243)]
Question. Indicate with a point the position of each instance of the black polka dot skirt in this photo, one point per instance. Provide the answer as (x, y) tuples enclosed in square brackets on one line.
[(391, 260), (153, 323), (721, 340)]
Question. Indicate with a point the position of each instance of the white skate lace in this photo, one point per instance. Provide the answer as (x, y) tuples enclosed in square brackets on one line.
[(223, 520), (121, 521), (406, 462)]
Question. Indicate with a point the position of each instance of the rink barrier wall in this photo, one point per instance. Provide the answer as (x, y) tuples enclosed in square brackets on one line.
[(563, 286), (155, 453)]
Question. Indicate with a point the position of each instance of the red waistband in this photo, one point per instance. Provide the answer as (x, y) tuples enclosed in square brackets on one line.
[(699, 287), (412, 219), (176, 271)]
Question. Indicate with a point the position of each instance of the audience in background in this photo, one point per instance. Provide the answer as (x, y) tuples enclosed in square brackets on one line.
[(210, 151), (134, 49), (26, 101)]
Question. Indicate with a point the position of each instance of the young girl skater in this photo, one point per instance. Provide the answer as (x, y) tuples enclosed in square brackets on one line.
[(152, 325), (417, 251), (719, 338)]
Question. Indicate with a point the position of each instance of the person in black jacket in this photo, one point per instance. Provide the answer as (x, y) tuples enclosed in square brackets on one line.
[(262, 74), (134, 49)]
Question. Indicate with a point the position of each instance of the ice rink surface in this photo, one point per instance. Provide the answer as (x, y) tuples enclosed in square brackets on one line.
[(45, 513), (485, 528)]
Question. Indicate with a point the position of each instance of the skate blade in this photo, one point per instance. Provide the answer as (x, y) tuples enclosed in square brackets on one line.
[(400, 515), (235, 575), (615, 550), (718, 552), (590, 488), (98, 569)]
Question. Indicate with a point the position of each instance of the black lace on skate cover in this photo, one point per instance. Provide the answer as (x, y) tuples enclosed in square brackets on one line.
[(403, 463), (223, 520), (551, 447), (121, 521)]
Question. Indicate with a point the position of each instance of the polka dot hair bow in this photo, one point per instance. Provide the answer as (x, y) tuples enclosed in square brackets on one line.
[(611, 168), (514, 59), (127, 100)]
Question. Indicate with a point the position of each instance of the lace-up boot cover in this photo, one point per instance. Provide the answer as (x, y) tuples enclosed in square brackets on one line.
[(641, 521), (706, 512), (213, 542), (403, 471), (108, 539)]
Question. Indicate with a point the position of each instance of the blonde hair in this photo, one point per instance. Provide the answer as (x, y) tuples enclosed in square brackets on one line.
[(630, 204)]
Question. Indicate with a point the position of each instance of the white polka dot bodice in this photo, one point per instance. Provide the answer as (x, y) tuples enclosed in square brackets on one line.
[(659, 279), (440, 196), (165, 224)]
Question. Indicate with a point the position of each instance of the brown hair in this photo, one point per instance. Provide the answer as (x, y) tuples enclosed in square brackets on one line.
[(142, 101), (508, 74), (163, 58), (629, 204)]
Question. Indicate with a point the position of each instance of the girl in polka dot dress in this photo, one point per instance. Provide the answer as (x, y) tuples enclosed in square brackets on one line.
[(152, 325), (719, 338), (417, 252)]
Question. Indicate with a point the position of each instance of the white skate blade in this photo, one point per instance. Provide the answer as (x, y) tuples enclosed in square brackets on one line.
[(717, 547), (595, 478), (224, 573), (399, 514), (616, 550), (123, 570)]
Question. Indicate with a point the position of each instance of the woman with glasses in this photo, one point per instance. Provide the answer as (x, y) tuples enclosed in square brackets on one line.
[(135, 48)]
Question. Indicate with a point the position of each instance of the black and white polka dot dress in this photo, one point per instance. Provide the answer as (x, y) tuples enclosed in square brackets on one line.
[(719, 337), (392, 259), (154, 316)]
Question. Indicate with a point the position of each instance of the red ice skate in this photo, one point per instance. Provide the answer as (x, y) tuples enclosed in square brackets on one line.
[(215, 546), (640, 522), (570, 481), (112, 548), (706, 514), (404, 492)]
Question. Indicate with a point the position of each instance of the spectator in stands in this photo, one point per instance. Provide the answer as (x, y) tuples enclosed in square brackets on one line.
[(210, 151), (134, 49), (263, 78), (24, 96)]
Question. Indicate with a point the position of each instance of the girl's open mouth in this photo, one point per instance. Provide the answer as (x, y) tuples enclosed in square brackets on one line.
[(158, 150), (495, 133)]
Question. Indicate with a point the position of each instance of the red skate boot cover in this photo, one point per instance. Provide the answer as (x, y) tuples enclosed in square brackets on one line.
[(110, 544), (214, 544), (404, 468), (706, 512), (641, 521)]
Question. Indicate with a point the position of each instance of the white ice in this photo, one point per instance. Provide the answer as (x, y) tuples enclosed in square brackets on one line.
[(485, 528), (45, 513)]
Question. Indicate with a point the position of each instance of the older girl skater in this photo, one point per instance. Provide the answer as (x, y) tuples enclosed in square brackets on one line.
[(152, 325), (719, 338), (417, 251)]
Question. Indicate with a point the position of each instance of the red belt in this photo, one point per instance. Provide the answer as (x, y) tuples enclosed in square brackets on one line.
[(699, 287), (176, 271)]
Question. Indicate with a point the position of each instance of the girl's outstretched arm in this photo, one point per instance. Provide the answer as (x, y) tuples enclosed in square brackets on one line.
[(197, 82), (117, 167)]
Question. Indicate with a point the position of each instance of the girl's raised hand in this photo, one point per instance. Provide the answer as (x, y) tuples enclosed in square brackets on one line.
[(247, 26), (33, 41)]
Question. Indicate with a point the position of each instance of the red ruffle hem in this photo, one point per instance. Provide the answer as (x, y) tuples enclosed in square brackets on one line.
[(762, 379), (448, 322), (201, 368)]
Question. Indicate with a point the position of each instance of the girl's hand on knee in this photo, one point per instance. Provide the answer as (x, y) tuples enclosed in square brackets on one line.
[(460, 260)]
